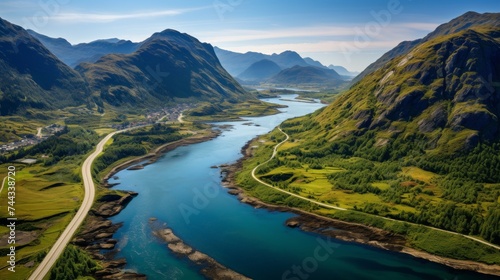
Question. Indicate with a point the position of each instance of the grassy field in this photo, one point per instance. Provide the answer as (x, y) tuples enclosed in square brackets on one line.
[(45, 201)]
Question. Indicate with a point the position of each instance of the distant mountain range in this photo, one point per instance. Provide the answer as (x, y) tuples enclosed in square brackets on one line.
[(237, 63), (343, 71), (251, 67), (168, 66), (73, 55)]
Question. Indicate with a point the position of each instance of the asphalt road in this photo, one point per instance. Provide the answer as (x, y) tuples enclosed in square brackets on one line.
[(89, 188)]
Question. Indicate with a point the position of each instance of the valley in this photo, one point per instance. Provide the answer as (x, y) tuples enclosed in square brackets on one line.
[(253, 159)]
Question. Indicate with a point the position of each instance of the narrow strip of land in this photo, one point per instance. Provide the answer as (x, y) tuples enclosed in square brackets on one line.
[(275, 151), (63, 240)]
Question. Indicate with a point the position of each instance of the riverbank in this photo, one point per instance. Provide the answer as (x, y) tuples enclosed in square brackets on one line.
[(346, 231), (96, 235)]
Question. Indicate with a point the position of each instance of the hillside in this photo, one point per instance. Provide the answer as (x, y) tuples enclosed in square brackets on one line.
[(301, 75), (442, 90), (32, 77), (73, 55), (417, 140), (260, 71), (168, 66), (467, 20)]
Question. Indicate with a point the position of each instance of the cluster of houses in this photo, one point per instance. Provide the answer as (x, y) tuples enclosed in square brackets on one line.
[(165, 115), (32, 139)]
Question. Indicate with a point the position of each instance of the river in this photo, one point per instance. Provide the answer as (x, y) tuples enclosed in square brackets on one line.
[(182, 190)]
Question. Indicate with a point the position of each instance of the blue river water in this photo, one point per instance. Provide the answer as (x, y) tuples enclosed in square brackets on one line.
[(183, 191)]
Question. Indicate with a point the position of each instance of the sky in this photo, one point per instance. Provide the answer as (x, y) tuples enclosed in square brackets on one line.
[(349, 33)]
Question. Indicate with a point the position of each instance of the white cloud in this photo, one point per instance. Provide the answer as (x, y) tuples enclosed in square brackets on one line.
[(399, 31), (100, 18), (238, 35)]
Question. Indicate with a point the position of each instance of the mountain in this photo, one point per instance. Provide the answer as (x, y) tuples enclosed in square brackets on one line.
[(235, 63), (300, 75), (316, 63), (32, 77), (443, 91), (441, 97), (467, 20), (343, 71), (167, 66), (73, 55), (260, 71), (288, 59)]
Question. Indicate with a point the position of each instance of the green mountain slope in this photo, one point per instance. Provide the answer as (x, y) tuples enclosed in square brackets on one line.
[(444, 89), (167, 66), (465, 21), (32, 77)]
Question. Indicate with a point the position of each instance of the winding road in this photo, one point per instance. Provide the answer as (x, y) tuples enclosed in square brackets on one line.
[(70, 230), (340, 208), (283, 191)]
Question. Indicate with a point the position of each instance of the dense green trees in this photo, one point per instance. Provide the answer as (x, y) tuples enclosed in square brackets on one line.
[(72, 264), (156, 135), (115, 153), (482, 164), (490, 229), (136, 143), (68, 142)]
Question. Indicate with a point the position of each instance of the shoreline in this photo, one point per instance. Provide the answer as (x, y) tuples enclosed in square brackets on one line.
[(345, 231)]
